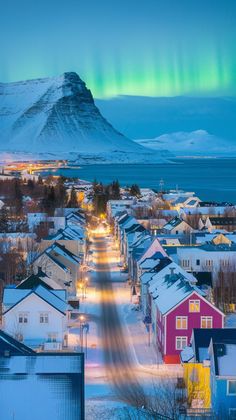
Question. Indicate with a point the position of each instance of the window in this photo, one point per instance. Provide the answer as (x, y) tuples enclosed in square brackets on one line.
[(194, 306), (43, 318), (181, 322), (206, 321), (176, 232), (23, 318), (185, 263), (52, 337), (231, 387), (181, 343), (197, 262), (209, 263)]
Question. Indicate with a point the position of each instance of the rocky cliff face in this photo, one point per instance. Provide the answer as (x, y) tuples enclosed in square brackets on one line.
[(58, 115)]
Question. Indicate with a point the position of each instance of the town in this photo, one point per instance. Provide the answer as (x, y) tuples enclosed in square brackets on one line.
[(122, 295)]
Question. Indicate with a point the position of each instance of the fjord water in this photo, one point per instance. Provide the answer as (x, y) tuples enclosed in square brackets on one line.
[(210, 178)]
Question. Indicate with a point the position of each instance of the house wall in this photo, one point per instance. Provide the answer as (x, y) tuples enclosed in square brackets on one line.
[(74, 246), (187, 258), (194, 321), (221, 402), (34, 330)]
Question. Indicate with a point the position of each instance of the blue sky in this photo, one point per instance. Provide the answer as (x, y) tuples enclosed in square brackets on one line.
[(150, 48)]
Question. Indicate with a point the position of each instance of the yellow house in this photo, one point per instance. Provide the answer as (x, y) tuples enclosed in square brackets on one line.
[(197, 381)]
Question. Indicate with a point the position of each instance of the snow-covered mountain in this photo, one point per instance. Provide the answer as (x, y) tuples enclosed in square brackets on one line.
[(195, 143), (57, 116)]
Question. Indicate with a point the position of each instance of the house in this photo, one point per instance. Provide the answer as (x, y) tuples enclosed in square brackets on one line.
[(212, 257), (222, 356), (178, 306), (116, 206), (177, 226), (163, 266), (184, 202), (60, 264), (72, 237), (196, 363), (54, 223), (40, 385), (37, 317), (219, 222)]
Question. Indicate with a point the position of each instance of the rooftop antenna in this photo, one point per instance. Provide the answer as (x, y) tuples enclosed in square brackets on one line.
[(177, 188), (161, 185)]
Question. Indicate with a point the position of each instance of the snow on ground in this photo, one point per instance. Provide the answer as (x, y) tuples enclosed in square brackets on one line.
[(98, 392)]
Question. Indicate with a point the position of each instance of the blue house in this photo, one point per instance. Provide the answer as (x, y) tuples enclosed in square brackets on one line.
[(223, 377)]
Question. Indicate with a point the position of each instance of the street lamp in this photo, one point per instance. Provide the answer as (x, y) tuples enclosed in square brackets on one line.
[(84, 326)]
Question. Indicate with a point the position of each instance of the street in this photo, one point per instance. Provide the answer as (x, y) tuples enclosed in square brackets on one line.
[(118, 361)]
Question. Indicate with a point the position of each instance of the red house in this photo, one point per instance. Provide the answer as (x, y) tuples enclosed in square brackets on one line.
[(177, 306)]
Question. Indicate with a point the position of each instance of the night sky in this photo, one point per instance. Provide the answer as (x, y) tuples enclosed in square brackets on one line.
[(123, 47)]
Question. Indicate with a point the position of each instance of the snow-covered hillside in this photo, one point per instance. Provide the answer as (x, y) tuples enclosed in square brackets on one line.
[(58, 116), (198, 142)]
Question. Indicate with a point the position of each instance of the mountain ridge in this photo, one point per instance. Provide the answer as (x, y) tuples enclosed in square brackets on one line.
[(59, 115)]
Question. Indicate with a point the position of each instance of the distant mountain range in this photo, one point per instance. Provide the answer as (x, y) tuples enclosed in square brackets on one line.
[(194, 143), (57, 117), (195, 125)]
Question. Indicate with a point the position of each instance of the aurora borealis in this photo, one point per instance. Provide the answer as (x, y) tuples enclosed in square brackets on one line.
[(126, 47)]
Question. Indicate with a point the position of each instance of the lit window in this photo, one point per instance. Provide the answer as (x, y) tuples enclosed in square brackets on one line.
[(181, 343), (23, 318), (194, 306), (206, 321), (43, 318), (181, 322), (231, 387)]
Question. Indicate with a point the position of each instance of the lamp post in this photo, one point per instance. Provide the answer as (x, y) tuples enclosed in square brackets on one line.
[(83, 326), (81, 320)]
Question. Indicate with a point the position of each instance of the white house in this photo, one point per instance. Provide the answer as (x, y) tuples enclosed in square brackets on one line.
[(37, 317), (60, 264), (208, 257), (54, 222), (177, 226)]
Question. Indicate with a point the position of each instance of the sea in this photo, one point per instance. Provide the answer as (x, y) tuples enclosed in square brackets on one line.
[(210, 178)]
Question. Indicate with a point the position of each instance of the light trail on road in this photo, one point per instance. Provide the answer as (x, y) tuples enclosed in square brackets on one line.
[(118, 361)]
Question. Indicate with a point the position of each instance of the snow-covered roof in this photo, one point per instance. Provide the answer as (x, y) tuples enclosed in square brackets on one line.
[(169, 290), (43, 386), (187, 354), (55, 298)]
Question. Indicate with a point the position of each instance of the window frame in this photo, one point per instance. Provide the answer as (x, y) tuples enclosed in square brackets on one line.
[(181, 337), (24, 316), (44, 316), (230, 393), (182, 319), (206, 317), (198, 303)]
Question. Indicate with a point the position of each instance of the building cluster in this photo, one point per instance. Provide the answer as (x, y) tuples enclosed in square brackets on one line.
[(36, 315), (182, 278)]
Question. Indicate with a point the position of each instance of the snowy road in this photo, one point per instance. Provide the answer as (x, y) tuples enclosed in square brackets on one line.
[(117, 354)]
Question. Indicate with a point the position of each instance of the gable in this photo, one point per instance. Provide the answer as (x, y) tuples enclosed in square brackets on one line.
[(197, 296), (32, 303)]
